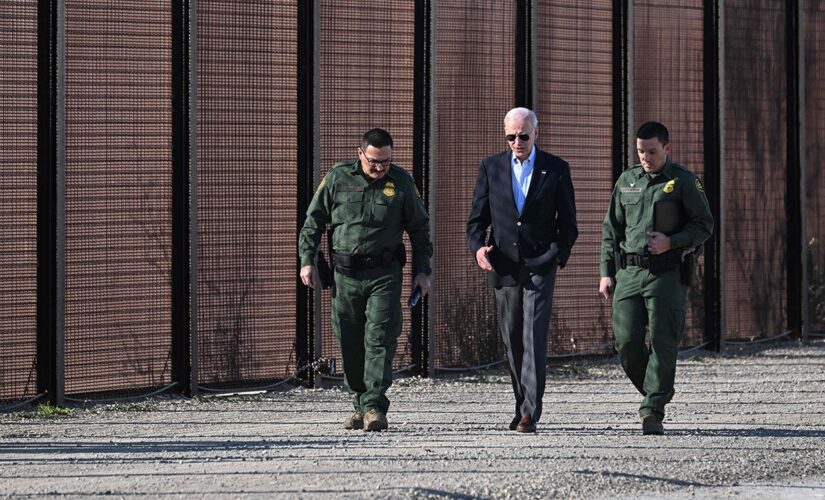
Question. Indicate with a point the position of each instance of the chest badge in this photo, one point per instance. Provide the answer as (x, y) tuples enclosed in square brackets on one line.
[(389, 189), (669, 186)]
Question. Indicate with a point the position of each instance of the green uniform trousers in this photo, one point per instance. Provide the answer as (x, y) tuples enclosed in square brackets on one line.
[(366, 318), (658, 302)]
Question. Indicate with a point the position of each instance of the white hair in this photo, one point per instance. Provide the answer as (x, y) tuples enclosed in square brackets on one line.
[(521, 113)]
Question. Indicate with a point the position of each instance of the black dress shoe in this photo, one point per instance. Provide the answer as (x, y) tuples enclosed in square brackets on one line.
[(514, 422), (526, 424)]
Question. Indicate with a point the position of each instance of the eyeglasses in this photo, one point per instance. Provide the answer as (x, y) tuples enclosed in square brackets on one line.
[(512, 137), (377, 163)]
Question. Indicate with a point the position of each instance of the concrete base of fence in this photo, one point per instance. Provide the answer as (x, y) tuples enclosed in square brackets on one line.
[(750, 423)]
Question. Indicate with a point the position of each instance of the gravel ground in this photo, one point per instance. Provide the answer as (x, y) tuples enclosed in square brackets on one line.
[(746, 424)]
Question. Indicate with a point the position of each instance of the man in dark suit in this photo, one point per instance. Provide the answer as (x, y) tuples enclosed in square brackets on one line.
[(525, 196)]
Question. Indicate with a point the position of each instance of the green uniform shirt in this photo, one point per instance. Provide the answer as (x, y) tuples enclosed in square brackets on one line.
[(630, 214), (368, 216)]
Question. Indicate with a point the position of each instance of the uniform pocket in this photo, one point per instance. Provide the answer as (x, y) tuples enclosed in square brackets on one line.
[(347, 206), (632, 208), (387, 210)]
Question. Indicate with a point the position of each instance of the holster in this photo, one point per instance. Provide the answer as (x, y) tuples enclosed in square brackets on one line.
[(619, 259), (325, 273), (401, 254), (687, 269)]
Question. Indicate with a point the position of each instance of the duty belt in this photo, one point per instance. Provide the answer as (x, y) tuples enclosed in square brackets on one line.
[(634, 259), (348, 264), (656, 264)]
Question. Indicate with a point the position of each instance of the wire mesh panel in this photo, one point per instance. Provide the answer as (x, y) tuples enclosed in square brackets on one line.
[(247, 189), (814, 105), (474, 90), (668, 88), (18, 199), (366, 81), (574, 107), (118, 195), (755, 174)]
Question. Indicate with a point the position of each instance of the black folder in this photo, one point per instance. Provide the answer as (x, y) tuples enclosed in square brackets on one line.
[(668, 216)]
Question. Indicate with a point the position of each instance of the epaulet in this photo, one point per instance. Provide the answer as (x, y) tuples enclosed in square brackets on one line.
[(333, 171), (682, 169), (399, 170)]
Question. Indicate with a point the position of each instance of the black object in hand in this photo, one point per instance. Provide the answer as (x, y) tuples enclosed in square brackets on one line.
[(415, 297), (668, 216)]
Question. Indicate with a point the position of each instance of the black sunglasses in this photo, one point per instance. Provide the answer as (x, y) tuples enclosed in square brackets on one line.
[(512, 137)]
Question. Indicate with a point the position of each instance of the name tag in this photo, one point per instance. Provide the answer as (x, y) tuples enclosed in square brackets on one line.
[(630, 189)]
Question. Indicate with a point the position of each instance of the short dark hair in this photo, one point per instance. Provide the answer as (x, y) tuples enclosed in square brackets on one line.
[(654, 129), (376, 137)]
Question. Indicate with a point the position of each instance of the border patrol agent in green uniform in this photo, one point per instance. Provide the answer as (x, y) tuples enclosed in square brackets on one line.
[(368, 203), (649, 262)]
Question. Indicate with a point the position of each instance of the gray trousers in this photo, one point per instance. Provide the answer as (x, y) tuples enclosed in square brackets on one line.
[(524, 318)]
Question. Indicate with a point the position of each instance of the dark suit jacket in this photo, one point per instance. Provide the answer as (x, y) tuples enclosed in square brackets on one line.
[(549, 215)]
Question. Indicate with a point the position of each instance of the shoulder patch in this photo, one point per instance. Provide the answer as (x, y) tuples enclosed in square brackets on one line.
[(322, 183), (699, 186)]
